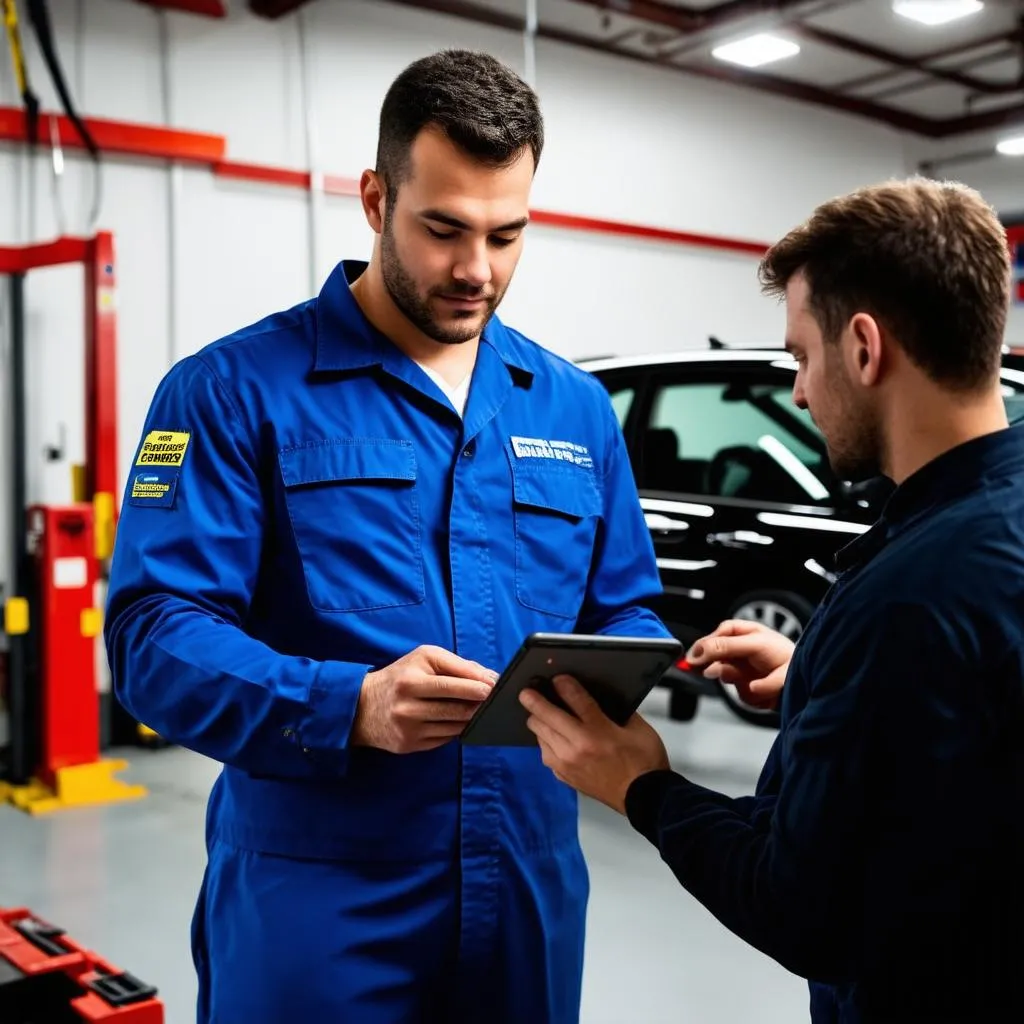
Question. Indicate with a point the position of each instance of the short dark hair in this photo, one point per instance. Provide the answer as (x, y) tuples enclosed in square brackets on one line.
[(480, 104), (929, 260)]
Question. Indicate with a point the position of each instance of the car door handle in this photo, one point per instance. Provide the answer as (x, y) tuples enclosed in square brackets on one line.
[(739, 539), (664, 524)]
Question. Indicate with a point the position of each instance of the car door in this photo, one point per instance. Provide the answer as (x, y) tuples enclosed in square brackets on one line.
[(735, 485)]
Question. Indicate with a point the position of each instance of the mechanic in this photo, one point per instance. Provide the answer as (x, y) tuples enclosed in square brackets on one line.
[(342, 522), (880, 856)]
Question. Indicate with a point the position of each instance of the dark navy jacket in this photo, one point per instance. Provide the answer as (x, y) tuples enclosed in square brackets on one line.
[(306, 506), (883, 852)]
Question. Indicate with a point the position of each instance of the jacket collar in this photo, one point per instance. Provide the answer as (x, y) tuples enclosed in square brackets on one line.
[(346, 340)]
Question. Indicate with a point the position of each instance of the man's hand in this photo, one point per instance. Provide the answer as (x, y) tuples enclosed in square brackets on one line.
[(747, 655), (419, 702), (589, 751)]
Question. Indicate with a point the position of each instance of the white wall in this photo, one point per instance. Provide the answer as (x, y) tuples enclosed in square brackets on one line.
[(199, 255)]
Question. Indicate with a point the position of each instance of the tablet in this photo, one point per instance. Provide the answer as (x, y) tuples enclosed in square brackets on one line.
[(617, 671)]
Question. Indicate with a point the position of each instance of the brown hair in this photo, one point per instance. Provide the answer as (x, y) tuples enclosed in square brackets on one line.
[(928, 260), (480, 104)]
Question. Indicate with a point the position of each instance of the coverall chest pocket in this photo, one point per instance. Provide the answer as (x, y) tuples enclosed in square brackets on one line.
[(556, 512), (355, 516)]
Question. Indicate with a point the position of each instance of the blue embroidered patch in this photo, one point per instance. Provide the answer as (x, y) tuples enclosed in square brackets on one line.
[(154, 488)]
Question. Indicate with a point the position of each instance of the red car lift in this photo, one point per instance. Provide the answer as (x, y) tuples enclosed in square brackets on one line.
[(46, 976), (57, 557)]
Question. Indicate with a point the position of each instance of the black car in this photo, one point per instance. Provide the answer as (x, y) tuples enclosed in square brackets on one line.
[(735, 483)]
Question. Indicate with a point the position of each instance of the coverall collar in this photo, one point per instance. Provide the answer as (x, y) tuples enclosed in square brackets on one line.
[(952, 474), (346, 340)]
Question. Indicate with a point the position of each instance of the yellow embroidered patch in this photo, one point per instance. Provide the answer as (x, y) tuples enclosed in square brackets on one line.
[(163, 448)]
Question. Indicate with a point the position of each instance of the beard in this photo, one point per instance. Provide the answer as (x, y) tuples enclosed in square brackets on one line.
[(853, 435), (416, 308)]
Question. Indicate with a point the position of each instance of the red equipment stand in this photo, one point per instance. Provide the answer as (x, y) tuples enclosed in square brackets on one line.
[(52, 615), (47, 977), (70, 772)]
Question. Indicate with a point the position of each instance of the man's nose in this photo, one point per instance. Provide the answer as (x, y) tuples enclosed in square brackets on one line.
[(474, 268)]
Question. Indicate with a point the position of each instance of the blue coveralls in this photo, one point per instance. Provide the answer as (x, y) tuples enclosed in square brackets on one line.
[(305, 506)]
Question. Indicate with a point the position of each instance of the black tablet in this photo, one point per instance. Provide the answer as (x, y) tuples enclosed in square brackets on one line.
[(617, 671)]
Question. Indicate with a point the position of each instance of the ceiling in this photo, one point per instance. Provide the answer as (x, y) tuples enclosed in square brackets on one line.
[(855, 55)]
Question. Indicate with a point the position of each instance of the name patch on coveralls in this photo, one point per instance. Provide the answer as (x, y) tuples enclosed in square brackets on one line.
[(154, 488), (560, 451), (163, 448)]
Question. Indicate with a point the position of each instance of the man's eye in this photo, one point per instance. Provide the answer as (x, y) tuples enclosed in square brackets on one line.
[(500, 242), (441, 234)]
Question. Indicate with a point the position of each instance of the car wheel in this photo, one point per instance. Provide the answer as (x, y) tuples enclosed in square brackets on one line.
[(781, 610), (682, 705)]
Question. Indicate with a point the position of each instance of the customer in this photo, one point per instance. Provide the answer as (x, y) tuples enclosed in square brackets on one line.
[(342, 520), (881, 856)]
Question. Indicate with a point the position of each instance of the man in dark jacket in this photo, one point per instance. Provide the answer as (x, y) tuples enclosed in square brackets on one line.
[(881, 856)]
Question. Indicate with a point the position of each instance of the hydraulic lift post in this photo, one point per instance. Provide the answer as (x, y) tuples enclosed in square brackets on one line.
[(23, 750)]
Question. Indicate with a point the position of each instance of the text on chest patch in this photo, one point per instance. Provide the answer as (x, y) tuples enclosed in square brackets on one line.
[(561, 451)]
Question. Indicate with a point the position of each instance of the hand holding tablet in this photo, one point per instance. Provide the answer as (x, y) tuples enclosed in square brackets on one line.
[(617, 671)]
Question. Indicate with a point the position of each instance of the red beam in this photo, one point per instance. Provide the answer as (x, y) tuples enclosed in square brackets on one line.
[(121, 137), (19, 259)]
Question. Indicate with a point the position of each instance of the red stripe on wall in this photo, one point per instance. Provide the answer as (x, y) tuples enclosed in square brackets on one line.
[(196, 147), (262, 173)]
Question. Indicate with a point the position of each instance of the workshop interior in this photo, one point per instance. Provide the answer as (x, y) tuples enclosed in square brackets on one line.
[(175, 169)]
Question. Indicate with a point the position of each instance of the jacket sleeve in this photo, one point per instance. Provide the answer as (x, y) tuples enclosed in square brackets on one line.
[(624, 577), (790, 884), (185, 565)]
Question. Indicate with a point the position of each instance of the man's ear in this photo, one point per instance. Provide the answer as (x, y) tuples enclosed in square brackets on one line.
[(373, 197), (867, 349)]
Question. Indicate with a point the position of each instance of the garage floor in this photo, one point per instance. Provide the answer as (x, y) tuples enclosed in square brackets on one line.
[(122, 880)]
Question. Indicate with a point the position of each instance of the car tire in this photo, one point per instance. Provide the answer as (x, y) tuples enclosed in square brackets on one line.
[(682, 705), (782, 610)]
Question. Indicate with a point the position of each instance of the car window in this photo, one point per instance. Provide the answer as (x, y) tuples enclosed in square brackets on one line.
[(733, 440), (622, 401), (1013, 400)]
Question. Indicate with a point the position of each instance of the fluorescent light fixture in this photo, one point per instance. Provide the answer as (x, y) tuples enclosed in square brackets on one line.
[(936, 12), (1011, 147), (755, 51)]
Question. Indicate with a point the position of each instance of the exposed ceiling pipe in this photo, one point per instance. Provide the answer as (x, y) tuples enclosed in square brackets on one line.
[(687, 19), (897, 60), (530, 43), (901, 119)]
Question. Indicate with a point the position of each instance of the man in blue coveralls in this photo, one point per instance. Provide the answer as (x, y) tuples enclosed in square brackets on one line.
[(881, 856), (341, 522)]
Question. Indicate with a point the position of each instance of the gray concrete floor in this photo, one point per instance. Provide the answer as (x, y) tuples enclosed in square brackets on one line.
[(122, 879)]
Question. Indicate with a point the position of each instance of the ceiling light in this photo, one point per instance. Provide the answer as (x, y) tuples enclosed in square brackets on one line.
[(1011, 147), (755, 51), (936, 12)]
